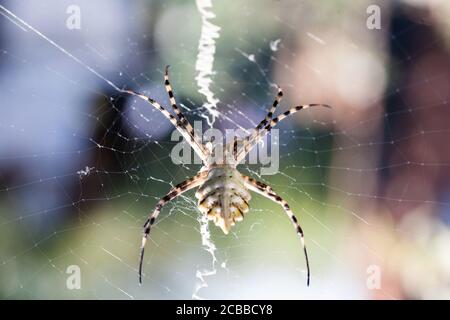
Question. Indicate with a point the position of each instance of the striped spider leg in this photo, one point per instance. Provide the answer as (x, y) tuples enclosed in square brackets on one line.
[(246, 141), (183, 120), (266, 120), (182, 124), (268, 123), (267, 191), (175, 192)]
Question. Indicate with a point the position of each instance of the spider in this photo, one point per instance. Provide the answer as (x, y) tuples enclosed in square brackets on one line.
[(223, 192)]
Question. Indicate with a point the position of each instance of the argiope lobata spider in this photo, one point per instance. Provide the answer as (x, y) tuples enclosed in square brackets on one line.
[(223, 192)]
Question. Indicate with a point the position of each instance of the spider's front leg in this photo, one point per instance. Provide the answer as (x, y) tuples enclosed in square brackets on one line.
[(266, 120), (175, 192), (182, 124), (269, 193), (265, 126)]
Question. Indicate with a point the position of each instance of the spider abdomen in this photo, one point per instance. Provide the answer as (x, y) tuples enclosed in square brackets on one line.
[(223, 197)]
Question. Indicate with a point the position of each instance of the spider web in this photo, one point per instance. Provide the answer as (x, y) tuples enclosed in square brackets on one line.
[(82, 164)]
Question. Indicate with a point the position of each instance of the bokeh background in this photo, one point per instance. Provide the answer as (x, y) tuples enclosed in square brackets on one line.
[(81, 165)]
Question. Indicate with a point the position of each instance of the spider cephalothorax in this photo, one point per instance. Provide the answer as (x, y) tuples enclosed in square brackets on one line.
[(223, 193)]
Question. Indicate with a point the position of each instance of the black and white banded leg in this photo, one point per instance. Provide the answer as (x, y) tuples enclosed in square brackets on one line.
[(269, 115), (268, 126), (265, 121), (175, 192), (189, 135), (269, 193), (183, 120)]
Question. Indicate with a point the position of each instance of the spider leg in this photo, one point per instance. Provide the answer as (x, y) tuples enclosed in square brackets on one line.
[(198, 148), (268, 117), (268, 126), (246, 141), (269, 193), (235, 147), (173, 193), (183, 120)]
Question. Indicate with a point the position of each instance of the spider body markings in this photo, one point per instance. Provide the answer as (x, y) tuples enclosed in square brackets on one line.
[(223, 193), (223, 197)]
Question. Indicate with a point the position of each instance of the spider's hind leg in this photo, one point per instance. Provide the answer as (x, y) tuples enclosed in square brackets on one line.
[(269, 193), (175, 192)]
